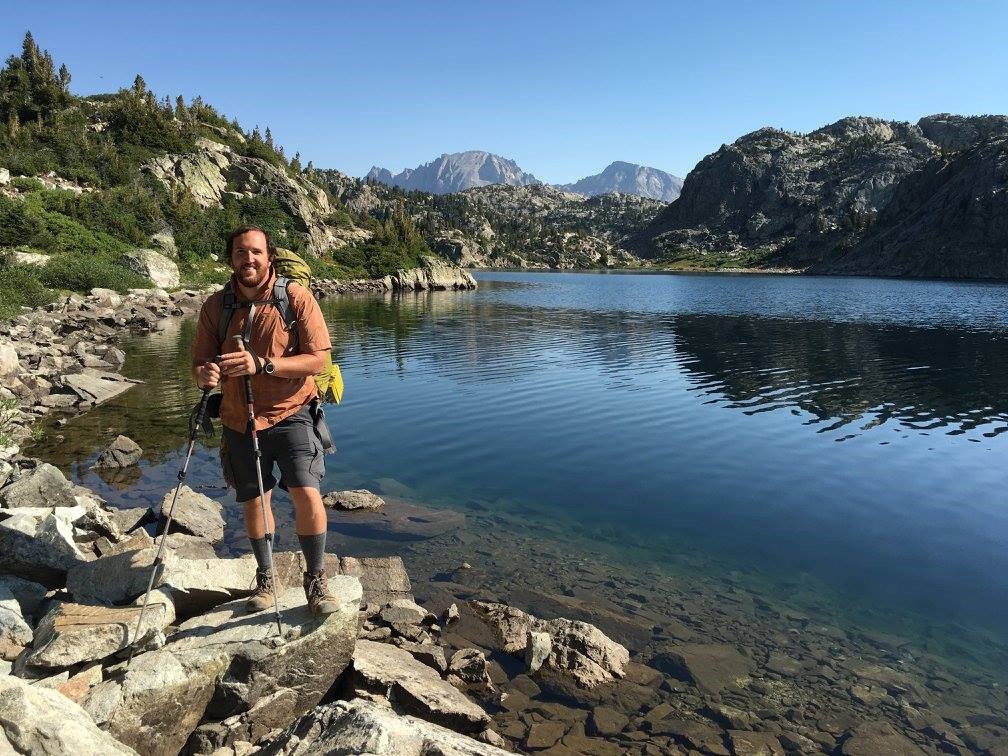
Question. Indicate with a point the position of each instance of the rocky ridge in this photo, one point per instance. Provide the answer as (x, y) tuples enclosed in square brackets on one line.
[(535, 226), (861, 195)]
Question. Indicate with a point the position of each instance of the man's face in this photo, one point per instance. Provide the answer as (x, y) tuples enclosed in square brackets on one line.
[(250, 258)]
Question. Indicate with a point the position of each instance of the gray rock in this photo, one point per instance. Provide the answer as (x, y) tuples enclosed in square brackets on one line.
[(195, 514), (469, 666), (388, 671), (130, 519), (9, 363), (123, 452), (222, 664), (538, 648), (106, 298), (431, 655), (581, 656), (189, 546), (384, 578), (360, 726), (116, 578), (74, 633), (45, 486), (38, 550), (19, 599), (38, 720), (877, 737), (433, 274), (404, 611), (162, 272), (96, 386), (351, 500)]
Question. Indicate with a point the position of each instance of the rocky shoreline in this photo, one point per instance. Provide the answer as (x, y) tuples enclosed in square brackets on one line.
[(610, 659)]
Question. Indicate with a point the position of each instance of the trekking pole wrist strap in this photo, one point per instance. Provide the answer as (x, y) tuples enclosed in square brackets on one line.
[(256, 359)]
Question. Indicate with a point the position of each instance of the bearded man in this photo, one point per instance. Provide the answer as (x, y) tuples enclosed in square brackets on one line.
[(281, 359)]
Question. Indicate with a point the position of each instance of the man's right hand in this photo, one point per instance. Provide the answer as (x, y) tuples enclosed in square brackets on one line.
[(208, 375)]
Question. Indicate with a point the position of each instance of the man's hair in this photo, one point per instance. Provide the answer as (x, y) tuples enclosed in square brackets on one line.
[(270, 246)]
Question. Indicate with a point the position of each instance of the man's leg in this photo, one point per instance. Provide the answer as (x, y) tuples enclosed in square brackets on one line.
[(310, 523), (257, 531)]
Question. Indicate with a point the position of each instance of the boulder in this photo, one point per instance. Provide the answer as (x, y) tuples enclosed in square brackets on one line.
[(385, 670), (468, 666), (74, 633), (404, 611), (222, 664), (195, 514), (361, 726), (35, 719), (115, 578), (45, 486), (94, 386), (580, 656), (189, 546), (123, 452), (709, 666), (9, 363), (351, 500), (162, 272), (39, 550), (4, 176), (384, 578), (537, 650), (428, 653), (130, 519), (19, 599), (107, 298)]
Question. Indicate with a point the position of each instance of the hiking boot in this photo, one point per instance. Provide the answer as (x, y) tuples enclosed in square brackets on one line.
[(320, 601), (263, 597)]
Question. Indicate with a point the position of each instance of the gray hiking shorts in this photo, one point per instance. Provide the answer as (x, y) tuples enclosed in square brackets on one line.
[(290, 445)]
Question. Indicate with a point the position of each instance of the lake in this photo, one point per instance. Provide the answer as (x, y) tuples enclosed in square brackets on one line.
[(838, 443)]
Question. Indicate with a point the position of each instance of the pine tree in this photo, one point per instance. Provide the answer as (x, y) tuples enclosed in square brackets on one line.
[(139, 86), (269, 137), (64, 79), (296, 162), (180, 109)]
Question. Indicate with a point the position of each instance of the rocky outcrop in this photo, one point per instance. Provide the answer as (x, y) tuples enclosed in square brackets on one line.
[(152, 265), (361, 726), (222, 664), (432, 275), (861, 195), (215, 171), (36, 720)]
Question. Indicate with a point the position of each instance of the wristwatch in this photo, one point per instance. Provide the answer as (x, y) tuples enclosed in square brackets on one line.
[(268, 366)]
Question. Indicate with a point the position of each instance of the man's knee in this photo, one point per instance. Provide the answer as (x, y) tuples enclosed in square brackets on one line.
[(305, 496)]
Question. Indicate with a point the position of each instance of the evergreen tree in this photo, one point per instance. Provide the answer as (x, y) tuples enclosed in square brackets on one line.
[(181, 112), (269, 137), (64, 79), (139, 86), (296, 162)]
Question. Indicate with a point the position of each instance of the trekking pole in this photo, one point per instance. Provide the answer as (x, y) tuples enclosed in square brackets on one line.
[(156, 567), (258, 458)]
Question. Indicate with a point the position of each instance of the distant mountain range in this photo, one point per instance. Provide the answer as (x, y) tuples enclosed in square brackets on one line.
[(457, 171)]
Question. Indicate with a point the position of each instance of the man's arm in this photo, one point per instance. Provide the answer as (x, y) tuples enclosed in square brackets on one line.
[(205, 372)]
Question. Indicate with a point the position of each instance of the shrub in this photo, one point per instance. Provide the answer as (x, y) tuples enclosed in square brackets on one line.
[(79, 272), (20, 286)]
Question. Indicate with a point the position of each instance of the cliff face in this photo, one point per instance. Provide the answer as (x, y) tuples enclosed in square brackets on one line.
[(858, 196)]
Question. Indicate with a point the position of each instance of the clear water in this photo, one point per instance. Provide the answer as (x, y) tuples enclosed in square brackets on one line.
[(846, 434)]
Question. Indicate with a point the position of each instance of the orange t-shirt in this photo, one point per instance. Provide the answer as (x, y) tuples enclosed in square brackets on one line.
[(275, 398)]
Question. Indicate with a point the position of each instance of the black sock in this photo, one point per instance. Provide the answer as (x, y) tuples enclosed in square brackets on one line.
[(313, 548), (261, 549)]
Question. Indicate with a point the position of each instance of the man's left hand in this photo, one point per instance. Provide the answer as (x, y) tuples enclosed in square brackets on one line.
[(237, 363)]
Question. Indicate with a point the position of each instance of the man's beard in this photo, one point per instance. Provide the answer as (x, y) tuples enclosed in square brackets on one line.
[(252, 276)]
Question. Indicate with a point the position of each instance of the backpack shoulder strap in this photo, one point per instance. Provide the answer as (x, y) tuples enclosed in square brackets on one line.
[(228, 302), (283, 304)]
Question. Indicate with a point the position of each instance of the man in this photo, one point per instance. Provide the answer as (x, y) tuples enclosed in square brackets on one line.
[(282, 388)]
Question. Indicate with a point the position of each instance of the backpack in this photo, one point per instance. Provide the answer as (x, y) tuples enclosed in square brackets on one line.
[(289, 267)]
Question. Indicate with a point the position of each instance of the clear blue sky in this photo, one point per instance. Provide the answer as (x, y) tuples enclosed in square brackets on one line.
[(563, 88)]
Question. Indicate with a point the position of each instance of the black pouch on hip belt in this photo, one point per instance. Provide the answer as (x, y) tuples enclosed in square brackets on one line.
[(321, 429)]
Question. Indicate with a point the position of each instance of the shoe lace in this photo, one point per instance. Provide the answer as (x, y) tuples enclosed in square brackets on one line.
[(317, 586), (262, 581)]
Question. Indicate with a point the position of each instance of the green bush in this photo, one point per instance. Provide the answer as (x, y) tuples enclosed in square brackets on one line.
[(20, 286), (78, 272)]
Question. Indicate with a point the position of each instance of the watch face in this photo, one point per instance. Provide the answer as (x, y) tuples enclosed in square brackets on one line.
[(268, 367)]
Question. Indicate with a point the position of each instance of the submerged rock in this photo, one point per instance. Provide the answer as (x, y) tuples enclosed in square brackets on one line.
[(360, 726), (35, 719), (709, 666), (123, 452), (351, 500)]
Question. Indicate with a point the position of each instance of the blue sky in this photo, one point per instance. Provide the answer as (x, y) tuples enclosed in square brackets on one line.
[(563, 88)]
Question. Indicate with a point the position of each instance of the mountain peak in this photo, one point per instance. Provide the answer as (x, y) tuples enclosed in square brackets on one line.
[(629, 178), (455, 172)]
